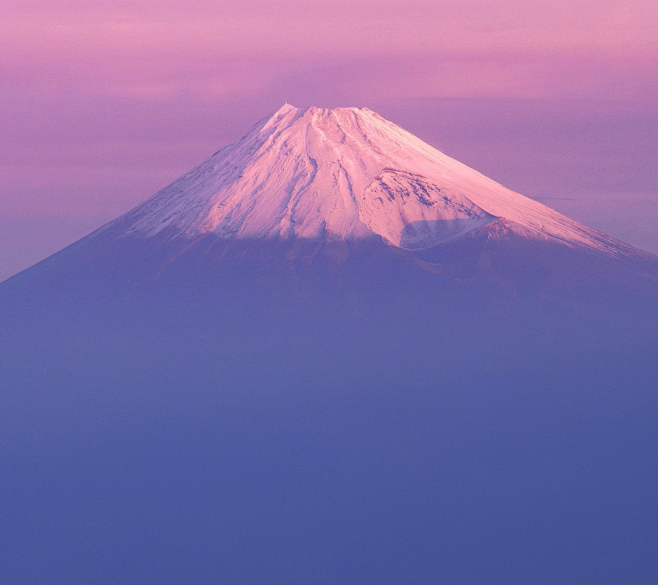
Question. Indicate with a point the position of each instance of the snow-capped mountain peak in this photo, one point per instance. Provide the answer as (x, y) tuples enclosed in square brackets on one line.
[(341, 173)]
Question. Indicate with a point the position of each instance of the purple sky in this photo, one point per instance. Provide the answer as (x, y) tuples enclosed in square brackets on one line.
[(102, 103)]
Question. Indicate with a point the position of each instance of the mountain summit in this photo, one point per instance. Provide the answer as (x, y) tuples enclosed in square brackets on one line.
[(344, 174)]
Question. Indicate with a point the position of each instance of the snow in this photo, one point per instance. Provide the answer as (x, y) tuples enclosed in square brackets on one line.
[(343, 173)]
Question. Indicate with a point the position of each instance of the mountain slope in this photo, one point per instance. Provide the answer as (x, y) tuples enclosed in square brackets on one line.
[(344, 173)]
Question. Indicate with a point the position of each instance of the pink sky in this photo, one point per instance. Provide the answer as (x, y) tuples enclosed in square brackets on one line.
[(102, 103)]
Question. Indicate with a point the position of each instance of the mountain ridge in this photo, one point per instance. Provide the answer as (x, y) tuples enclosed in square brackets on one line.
[(343, 173)]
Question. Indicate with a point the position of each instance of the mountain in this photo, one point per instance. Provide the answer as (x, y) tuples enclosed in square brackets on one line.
[(342, 174), (331, 353)]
